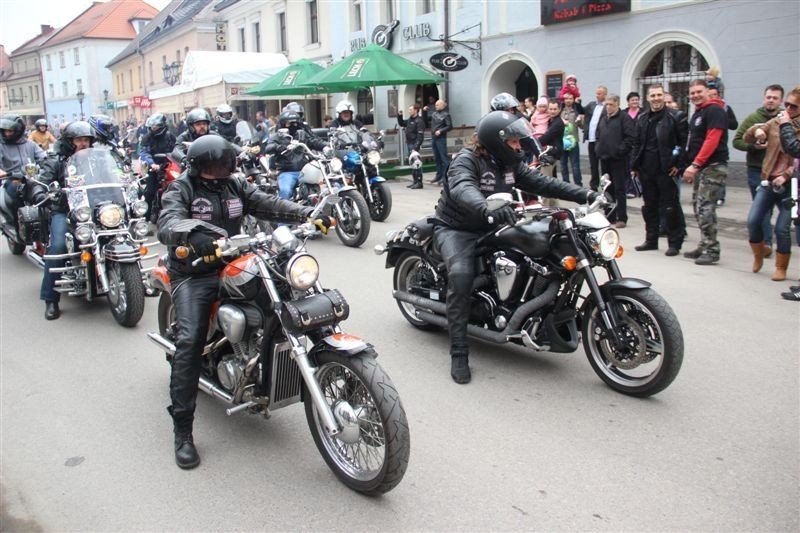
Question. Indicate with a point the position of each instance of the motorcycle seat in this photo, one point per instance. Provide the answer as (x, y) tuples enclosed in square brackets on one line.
[(421, 229)]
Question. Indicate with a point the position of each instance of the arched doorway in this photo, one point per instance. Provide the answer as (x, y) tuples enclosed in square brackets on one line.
[(513, 73), (364, 106), (526, 85)]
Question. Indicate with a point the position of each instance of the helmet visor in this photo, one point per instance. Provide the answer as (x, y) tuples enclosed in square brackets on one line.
[(517, 130), (216, 168)]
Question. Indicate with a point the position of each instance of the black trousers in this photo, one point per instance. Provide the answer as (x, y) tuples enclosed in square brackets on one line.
[(192, 297), (151, 190), (660, 194), (594, 167), (617, 170), (458, 251)]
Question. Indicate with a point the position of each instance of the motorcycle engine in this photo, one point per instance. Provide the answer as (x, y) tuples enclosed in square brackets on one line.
[(229, 372)]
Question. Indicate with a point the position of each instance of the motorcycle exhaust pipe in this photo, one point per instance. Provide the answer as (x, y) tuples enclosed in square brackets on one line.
[(212, 390), (413, 299), (497, 337), (162, 343), (36, 259)]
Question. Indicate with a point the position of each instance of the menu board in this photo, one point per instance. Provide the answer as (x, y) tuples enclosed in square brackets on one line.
[(557, 11), (554, 81)]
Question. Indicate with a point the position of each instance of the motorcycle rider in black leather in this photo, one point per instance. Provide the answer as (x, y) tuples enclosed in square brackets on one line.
[(494, 163), (158, 140), (77, 136), (15, 152), (225, 126), (204, 195), (290, 163), (105, 129), (198, 123)]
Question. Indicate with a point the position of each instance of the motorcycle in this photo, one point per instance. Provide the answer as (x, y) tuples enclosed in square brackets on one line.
[(530, 291), (322, 177), (28, 226), (105, 245), (361, 166), (275, 340)]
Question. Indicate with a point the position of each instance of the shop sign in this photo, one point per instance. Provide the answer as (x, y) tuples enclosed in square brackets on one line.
[(220, 32), (357, 44), (449, 61), (557, 11), (137, 100), (382, 34), (145, 103), (417, 31), (110, 105)]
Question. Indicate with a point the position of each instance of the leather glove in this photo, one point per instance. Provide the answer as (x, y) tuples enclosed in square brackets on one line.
[(546, 160), (204, 246), (505, 215)]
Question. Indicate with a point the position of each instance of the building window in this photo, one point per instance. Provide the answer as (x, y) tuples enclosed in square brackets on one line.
[(37, 93), (281, 32), (389, 7), (424, 6), (52, 91), (313, 22), (178, 56), (47, 62), (186, 52), (364, 105), (61, 60), (79, 83), (64, 89), (673, 65), (163, 60), (30, 93), (241, 40), (139, 75), (356, 13), (150, 72), (77, 56), (130, 79), (257, 36)]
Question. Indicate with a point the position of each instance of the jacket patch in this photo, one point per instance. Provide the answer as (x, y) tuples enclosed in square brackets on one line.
[(202, 209), (509, 178), (488, 181), (234, 207)]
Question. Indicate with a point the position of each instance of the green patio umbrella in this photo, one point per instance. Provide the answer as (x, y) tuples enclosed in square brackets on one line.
[(371, 66), (289, 81)]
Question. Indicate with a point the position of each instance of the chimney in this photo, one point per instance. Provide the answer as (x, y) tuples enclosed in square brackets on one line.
[(46, 28)]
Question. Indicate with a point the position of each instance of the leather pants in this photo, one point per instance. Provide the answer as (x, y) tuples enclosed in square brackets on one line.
[(458, 251), (192, 298)]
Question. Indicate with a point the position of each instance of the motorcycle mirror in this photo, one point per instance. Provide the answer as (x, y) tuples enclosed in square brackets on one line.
[(498, 200)]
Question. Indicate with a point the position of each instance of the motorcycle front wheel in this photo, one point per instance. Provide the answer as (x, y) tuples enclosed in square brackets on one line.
[(125, 293), (353, 227), (652, 352), (370, 455), (381, 204)]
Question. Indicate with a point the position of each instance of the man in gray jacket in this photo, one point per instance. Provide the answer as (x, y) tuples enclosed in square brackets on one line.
[(441, 123)]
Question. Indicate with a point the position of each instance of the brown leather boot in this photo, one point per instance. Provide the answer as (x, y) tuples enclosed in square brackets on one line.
[(758, 255), (767, 251), (781, 264)]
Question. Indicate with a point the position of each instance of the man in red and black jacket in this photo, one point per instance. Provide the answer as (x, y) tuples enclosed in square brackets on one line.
[(707, 152)]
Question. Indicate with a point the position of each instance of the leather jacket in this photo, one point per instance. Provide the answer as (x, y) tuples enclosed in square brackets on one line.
[(671, 132), (156, 144), (415, 131), (471, 179), (226, 130), (293, 160), (189, 198), (180, 150)]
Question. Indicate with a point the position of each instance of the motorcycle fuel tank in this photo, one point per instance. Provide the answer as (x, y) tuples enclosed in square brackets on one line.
[(532, 238)]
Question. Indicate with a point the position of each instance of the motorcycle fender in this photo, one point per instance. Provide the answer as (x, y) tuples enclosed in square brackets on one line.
[(345, 189), (158, 278), (376, 179), (624, 283), (343, 342), (123, 252), (393, 252)]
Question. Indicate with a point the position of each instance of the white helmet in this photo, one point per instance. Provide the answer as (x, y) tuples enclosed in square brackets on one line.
[(344, 105), (225, 113), (415, 160)]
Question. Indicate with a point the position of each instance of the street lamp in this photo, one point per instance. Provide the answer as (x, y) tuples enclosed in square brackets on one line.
[(80, 96), (172, 72)]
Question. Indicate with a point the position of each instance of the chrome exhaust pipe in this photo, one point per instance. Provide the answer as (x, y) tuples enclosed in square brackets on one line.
[(212, 390), (161, 342)]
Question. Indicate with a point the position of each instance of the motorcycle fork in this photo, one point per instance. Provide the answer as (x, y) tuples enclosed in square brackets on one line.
[(365, 181)]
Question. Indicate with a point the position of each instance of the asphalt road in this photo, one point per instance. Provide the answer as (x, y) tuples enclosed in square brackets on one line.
[(535, 442)]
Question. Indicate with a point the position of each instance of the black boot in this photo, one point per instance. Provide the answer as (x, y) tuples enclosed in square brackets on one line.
[(459, 367), (186, 455), (51, 310)]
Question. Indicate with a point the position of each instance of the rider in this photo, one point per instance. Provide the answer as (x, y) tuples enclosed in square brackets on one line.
[(41, 135), (76, 136), (15, 153), (344, 116), (287, 161), (224, 125), (158, 140), (207, 196), (105, 129), (494, 163), (198, 123)]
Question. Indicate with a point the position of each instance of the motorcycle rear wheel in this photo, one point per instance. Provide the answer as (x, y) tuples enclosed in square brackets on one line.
[(405, 272), (376, 462), (381, 204), (125, 293), (654, 343), (353, 230), (16, 248)]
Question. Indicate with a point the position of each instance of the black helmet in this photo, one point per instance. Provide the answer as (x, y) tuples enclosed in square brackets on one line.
[(288, 117), (103, 127), (213, 155), (157, 124), (297, 108), (40, 122), (503, 102), (198, 114), (498, 127), (15, 124)]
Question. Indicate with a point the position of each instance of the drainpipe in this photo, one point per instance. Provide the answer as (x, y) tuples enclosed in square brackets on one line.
[(447, 48)]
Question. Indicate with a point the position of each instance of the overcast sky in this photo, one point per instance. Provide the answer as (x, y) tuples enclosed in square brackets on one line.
[(20, 20)]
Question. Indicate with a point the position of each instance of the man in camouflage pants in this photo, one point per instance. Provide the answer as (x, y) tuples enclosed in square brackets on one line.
[(707, 149)]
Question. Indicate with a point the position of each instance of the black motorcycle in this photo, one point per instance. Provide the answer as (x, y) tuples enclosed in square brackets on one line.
[(25, 225), (536, 287)]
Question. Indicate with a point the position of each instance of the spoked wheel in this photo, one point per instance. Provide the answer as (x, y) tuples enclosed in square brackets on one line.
[(652, 350), (125, 292), (353, 226), (370, 455), (412, 271), (15, 247), (381, 204)]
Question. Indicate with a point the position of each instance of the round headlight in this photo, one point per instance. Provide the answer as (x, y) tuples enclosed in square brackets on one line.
[(84, 232), (302, 271), (336, 164), (139, 208), (606, 243), (111, 216), (373, 157), (139, 229), (83, 213)]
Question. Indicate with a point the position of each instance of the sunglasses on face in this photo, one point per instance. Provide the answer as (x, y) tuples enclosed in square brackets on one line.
[(789, 105)]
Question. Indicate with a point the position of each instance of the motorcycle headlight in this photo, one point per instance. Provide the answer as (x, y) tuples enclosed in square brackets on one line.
[(83, 213), (111, 216), (139, 229), (139, 208), (336, 164), (84, 233), (302, 271), (373, 157), (605, 243)]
